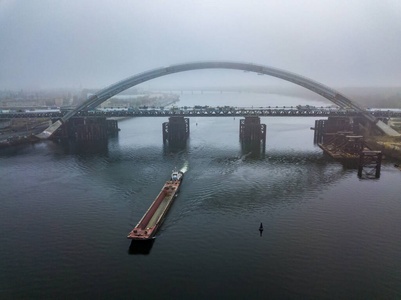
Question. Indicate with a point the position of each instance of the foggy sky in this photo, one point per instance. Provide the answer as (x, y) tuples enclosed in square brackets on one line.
[(64, 43)]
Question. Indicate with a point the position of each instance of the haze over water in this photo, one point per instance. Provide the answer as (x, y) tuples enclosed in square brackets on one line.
[(66, 211)]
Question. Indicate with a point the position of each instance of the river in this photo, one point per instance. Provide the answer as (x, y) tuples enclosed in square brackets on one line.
[(66, 210)]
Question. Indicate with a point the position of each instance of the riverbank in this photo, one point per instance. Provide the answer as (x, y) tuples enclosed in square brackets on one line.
[(19, 140), (389, 146), (21, 131)]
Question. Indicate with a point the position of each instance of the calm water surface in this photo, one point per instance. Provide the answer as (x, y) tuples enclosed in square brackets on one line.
[(65, 212)]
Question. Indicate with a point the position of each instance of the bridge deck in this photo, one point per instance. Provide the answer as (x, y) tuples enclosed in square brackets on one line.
[(210, 112)]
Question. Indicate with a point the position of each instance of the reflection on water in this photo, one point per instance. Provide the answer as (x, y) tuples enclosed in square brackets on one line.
[(254, 150), (174, 147), (86, 148), (140, 247)]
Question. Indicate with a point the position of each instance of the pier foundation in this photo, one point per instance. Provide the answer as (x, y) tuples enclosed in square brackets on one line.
[(340, 137), (325, 128), (252, 132), (176, 130), (86, 129), (343, 145), (369, 164)]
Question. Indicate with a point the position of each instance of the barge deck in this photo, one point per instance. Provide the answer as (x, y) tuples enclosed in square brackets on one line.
[(154, 216)]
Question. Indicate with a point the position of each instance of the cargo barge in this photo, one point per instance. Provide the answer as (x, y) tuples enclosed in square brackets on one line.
[(153, 218)]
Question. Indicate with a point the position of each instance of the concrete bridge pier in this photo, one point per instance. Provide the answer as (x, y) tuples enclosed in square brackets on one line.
[(326, 129), (252, 132), (86, 129), (176, 130)]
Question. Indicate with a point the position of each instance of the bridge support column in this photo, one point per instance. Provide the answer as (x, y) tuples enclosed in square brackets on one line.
[(176, 130), (86, 129), (326, 129), (252, 132), (370, 164)]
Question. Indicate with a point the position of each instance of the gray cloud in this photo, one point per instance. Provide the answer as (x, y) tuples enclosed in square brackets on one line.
[(95, 43)]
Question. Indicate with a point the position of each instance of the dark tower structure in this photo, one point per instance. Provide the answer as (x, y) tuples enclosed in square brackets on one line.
[(176, 130)]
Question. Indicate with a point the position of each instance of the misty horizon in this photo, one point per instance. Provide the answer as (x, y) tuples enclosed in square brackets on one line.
[(53, 44)]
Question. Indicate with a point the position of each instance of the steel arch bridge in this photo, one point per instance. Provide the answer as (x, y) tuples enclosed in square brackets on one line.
[(314, 86)]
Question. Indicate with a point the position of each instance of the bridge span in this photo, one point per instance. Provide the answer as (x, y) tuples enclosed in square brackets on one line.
[(210, 112), (323, 90)]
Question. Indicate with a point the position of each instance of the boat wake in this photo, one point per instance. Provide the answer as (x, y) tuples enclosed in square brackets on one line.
[(185, 167)]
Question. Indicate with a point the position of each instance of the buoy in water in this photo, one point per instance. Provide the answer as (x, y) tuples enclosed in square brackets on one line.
[(261, 227), (171, 153)]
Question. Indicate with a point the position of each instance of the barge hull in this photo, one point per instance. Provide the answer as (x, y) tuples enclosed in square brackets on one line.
[(154, 216)]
